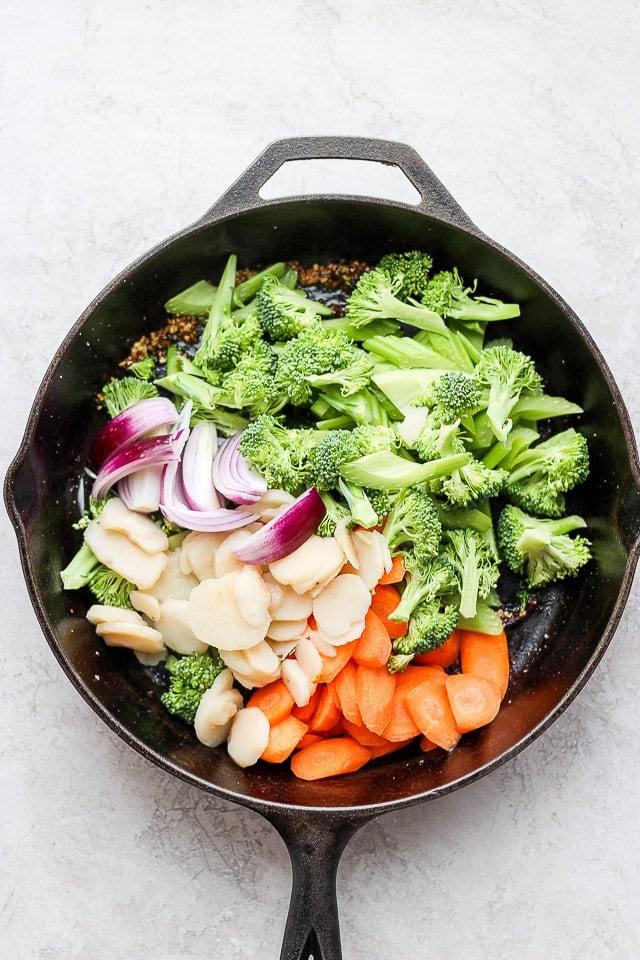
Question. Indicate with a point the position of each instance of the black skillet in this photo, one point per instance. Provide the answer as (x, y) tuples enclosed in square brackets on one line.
[(553, 652)]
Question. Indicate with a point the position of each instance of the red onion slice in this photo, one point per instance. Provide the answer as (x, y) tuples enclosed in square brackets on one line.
[(197, 462), (286, 532), (130, 425), (148, 452), (232, 475), (175, 508), (141, 491)]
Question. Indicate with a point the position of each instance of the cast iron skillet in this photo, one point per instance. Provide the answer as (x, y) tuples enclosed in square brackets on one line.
[(553, 653)]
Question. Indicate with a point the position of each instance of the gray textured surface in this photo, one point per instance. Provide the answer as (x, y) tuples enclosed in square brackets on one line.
[(122, 122)]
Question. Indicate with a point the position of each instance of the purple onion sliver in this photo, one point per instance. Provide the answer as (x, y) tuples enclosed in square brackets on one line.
[(148, 452), (175, 509), (130, 425), (232, 475), (286, 532), (141, 491), (197, 462)]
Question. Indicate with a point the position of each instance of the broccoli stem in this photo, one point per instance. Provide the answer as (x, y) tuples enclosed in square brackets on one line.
[(248, 288), (406, 353), (195, 301), (220, 310), (79, 571), (387, 471)]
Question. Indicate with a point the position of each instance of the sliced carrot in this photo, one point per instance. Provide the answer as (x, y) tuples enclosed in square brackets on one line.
[(308, 739), (327, 713), (474, 701), (389, 747), (274, 700), (428, 705), (401, 725), (331, 666), (486, 656), (414, 674), (426, 745), (444, 655), (283, 739), (329, 758), (364, 736), (384, 601), (345, 688), (305, 713), (397, 572), (374, 691), (373, 648)]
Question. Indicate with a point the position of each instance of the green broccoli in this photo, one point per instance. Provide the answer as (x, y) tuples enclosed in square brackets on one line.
[(413, 520), (427, 581), (455, 394), (80, 568), (336, 513), (541, 474), (318, 349), (85, 570), (541, 549), (475, 566), (251, 385), (506, 375), (407, 353), (279, 454), (190, 677), (430, 625), (446, 294), (119, 394), (349, 380), (284, 313), (247, 290), (144, 369), (195, 301), (375, 298), (414, 269), (470, 484)]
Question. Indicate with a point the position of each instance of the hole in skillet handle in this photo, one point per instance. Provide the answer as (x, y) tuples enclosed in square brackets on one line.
[(247, 192)]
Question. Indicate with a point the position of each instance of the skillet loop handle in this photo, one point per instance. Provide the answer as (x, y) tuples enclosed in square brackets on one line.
[(435, 199), (312, 929)]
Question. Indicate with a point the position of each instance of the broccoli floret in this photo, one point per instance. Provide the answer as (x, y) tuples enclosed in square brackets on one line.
[(336, 513), (414, 521), (110, 588), (349, 380), (427, 581), (446, 294), (119, 394), (541, 473), (284, 313), (375, 298), (144, 369), (318, 349), (364, 406), (470, 485), (332, 449), (362, 511), (506, 374), (226, 336), (190, 678), (381, 503), (430, 625), (475, 566), (541, 549), (414, 269), (251, 385), (455, 394), (280, 455)]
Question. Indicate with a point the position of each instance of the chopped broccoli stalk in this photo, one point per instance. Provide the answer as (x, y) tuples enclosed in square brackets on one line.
[(248, 289), (414, 520), (541, 548), (340, 422), (80, 569), (506, 374), (411, 270), (143, 369), (544, 407), (398, 662), (336, 512), (284, 313), (446, 294), (485, 620), (406, 353), (363, 406), (430, 625), (375, 298), (474, 564), (385, 470), (362, 511), (427, 581), (120, 394), (402, 386), (195, 301), (500, 454), (190, 677)]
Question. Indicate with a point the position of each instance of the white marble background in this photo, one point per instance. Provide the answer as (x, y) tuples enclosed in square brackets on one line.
[(121, 122)]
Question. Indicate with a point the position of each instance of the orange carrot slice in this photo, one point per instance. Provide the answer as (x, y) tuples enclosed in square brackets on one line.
[(396, 574), (283, 739), (486, 656), (401, 725), (329, 758), (374, 692), (331, 666), (344, 686), (274, 700), (389, 747), (373, 648), (305, 713), (308, 739), (384, 601), (327, 713), (431, 711), (426, 745), (364, 736), (444, 655), (474, 701)]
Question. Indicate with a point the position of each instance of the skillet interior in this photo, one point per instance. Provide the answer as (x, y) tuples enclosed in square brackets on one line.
[(553, 652)]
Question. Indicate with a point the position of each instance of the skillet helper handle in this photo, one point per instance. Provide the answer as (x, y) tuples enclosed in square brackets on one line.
[(315, 845), (435, 199)]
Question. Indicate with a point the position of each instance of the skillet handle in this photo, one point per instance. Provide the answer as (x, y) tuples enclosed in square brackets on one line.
[(435, 199), (315, 844)]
